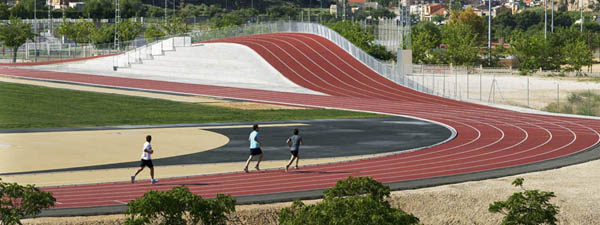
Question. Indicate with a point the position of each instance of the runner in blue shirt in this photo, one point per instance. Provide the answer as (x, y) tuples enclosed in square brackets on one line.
[(255, 145)]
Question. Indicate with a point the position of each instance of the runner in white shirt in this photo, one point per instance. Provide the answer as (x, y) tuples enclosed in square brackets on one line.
[(255, 145), (146, 160)]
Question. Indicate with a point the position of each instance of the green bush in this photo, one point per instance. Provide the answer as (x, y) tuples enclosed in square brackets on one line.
[(178, 207), (529, 207), (18, 201), (358, 200)]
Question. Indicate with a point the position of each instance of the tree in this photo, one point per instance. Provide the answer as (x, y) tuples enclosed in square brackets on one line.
[(153, 32), (457, 5), (14, 34), (468, 17), (103, 35), (438, 19), (529, 207), (98, 9), (360, 37), (535, 52), (178, 206), (19, 11), (283, 11), (460, 44), (80, 31), (425, 39), (131, 8), (358, 200), (17, 202), (577, 55), (526, 19), (4, 11), (129, 30)]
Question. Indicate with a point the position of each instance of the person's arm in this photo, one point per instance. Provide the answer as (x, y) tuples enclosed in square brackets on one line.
[(256, 139), (149, 150), (287, 141)]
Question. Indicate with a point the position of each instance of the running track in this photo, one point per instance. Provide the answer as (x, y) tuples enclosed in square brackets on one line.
[(487, 138)]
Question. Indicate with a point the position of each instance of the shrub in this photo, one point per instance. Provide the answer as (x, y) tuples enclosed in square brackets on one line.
[(177, 207), (358, 200), (18, 201), (529, 207)]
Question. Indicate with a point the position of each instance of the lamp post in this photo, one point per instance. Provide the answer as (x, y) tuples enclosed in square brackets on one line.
[(489, 32), (545, 20)]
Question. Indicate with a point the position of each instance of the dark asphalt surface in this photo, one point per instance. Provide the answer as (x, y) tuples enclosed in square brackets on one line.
[(322, 139)]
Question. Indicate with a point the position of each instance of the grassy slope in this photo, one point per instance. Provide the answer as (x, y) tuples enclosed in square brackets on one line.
[(26, 106)]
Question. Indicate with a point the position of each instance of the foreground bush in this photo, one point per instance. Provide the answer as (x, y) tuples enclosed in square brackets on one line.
[(177, 207), (358, 200), (530, 207), (18, 201)]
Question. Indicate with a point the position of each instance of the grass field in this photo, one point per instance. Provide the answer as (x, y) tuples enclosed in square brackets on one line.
[(27, 106)]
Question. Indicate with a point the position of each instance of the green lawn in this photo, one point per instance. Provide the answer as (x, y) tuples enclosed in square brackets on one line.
[(27, 106)]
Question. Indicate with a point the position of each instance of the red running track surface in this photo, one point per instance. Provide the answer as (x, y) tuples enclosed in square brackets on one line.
[(487, 138)]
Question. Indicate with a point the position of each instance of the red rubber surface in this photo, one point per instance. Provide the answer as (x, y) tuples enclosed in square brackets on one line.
[(487, 138)]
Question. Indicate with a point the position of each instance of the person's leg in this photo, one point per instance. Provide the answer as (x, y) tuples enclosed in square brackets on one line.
[(260, 157), (152, 173), (289, 163), (297, 159), (138, 171), (248, 163)]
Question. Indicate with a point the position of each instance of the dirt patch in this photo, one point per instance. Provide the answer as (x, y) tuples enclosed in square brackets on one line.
[(577, 189)]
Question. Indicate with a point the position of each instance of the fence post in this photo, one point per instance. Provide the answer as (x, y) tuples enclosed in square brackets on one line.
[(480, 86), (467, 86), (528, 106), (557, 97), (444, 81), (455, 84)]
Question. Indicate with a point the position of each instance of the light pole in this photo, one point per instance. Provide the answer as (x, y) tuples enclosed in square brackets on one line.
[(489, 32), (545, 20), (35, 28), (166, 6), (552, 18), (581, 13)]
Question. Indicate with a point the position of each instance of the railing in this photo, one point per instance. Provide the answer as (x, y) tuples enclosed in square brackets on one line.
[(148, 51)]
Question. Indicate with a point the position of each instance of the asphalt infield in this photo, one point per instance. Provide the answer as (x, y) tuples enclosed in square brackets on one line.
[(322, 139)]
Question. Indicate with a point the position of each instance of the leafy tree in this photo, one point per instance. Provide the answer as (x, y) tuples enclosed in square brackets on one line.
[(529, 207), (175, 26), (457, 5), (155, 11), (358, 200), (460, 44), (129, 30), (98, 9), (360, 37), (283, 11), (19, 11), (80, 31), (178, 206), (426, 37), (131, 8), (438, 19), (17, 202), (468, 17), (527, 19), (535, 52), (4, 11), (14, 34), (153, 32), (103, 35), (562, 20), (577, 55), (376, 14)]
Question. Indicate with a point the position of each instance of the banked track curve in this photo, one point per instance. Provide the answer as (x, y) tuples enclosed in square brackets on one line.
[(487, 138)]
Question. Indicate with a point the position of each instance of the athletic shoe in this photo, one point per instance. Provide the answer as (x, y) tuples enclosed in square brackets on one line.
[(132, 179), (297, 167), (256, 167), (286, 168), (154, 181), (246, 170)]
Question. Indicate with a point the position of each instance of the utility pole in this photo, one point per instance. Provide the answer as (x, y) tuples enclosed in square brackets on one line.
[(166, 6), (49, 17)]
